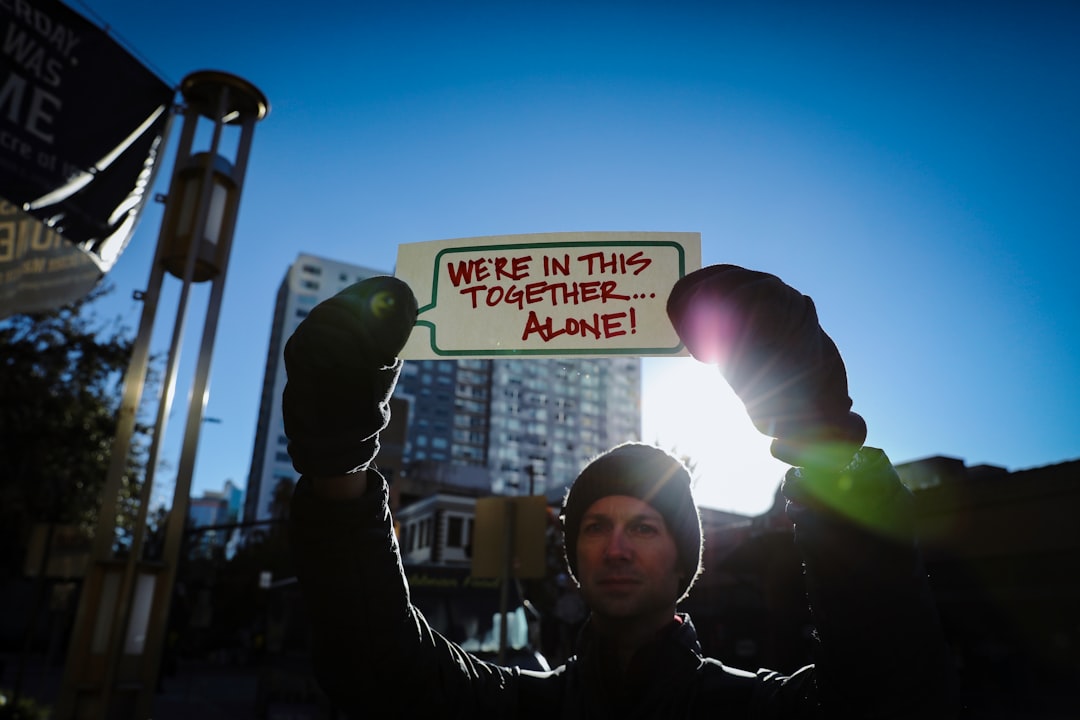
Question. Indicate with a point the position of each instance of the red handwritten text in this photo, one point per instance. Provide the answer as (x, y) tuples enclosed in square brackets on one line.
[(607, 325), (480, 269), (615, 263), (573, 293)]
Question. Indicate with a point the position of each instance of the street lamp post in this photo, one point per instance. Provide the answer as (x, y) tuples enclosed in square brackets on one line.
[(120, 625)]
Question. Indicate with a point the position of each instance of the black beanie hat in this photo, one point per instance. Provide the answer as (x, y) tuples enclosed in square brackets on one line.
[(649, 474)]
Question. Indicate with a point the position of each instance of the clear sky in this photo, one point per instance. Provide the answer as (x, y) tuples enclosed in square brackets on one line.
[(913, 166)]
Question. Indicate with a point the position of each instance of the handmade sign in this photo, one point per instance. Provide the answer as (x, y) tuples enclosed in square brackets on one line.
[(546, 294)]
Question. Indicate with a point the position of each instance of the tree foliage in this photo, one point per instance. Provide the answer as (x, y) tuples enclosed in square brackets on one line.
[(61, 374)]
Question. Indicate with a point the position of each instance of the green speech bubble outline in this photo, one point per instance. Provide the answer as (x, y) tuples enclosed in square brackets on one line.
[(680, 253)]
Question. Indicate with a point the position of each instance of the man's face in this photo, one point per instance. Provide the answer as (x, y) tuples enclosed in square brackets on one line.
[(627, 561)]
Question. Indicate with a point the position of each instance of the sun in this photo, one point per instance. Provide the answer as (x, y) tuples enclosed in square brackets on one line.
[(689, 409)]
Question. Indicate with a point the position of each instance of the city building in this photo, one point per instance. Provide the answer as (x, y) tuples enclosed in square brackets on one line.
[(532, 424), (511, 426), (216, 507), (437, 530), (210, 515)]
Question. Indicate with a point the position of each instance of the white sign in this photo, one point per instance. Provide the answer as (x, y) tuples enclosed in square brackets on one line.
[(546, 294)]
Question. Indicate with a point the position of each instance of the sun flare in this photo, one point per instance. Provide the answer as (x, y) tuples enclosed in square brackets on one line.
[(689, 409)]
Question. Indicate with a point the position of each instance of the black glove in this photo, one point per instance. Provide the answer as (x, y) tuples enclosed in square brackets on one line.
[(766, 339), (342, 366)]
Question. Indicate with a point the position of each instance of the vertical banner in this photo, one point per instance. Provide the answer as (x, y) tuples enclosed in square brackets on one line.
[(82, 126)]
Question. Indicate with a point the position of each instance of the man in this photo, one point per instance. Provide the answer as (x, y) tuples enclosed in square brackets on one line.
[(632, 536)]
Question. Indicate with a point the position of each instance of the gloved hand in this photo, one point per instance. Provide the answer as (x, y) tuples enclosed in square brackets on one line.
[(342, 366), (766, 339)]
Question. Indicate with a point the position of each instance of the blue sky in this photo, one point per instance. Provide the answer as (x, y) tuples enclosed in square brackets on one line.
[(913, 166)]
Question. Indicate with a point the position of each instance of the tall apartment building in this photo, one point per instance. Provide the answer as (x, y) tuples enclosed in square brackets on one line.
[(532, 423), (529, 424)]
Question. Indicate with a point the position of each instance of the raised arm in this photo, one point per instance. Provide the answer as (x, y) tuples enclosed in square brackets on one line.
[(372, 650), (881, 651)]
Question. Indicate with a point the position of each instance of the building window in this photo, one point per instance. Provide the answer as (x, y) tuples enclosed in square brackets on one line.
[(312, 269), (455, 525)]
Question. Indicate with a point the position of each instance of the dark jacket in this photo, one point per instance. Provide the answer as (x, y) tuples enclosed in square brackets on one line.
[(880, 653)]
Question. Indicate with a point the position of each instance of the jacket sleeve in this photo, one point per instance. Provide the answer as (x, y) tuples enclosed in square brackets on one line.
[(881, 651), (370, 646)]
